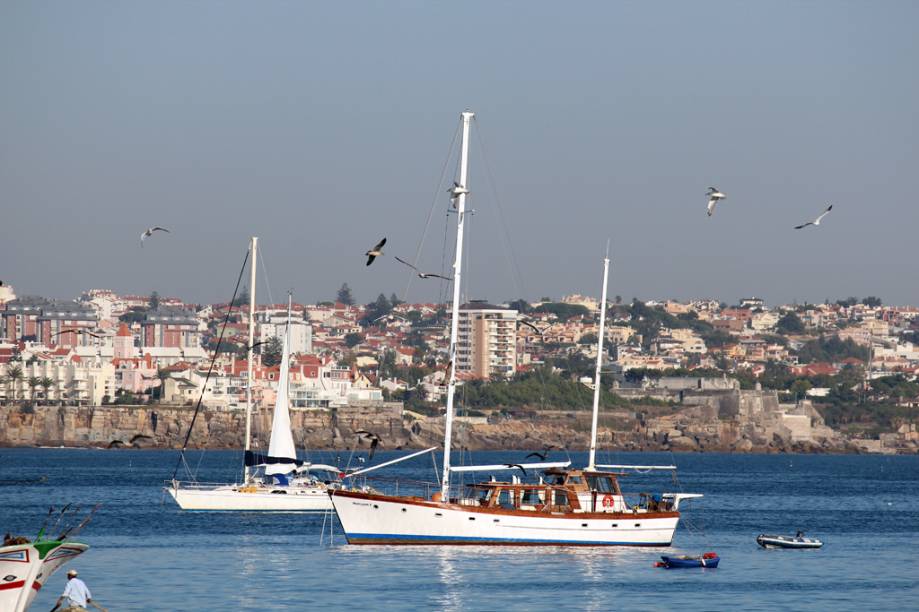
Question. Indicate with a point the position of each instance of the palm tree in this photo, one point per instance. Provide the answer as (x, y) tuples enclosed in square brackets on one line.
[(13, 376), (32, 382), (46, 383)]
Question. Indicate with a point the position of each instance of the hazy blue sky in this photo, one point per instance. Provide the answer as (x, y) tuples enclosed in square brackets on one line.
[(321, 127)]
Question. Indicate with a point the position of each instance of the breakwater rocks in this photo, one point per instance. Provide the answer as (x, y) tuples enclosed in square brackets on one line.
[(691, 429)]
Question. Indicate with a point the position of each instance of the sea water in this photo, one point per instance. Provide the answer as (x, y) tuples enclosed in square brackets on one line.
[(148, 555)]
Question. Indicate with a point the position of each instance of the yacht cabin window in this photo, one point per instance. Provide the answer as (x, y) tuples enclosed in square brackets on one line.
[(601, 484), (533, 497), (506, 499), (560, 497)]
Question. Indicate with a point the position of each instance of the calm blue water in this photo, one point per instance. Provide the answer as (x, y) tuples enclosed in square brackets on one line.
[(146, 555)]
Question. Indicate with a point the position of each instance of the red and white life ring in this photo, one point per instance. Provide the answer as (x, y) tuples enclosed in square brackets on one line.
[(607, 501)]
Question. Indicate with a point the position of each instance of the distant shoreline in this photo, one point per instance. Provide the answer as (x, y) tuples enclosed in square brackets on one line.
[(713, 451)]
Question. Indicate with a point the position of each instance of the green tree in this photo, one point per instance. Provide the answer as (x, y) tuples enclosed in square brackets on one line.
[(344, 295), (520, 305), (588, 339), (33, 382), (376, 310), (14, 375), (135, 315), (872, 301), (242, 299), (46, 383), (394, 300), (154, 301), (353, 339), (272, 351), (564, 311), (790, 323), (800, 387)]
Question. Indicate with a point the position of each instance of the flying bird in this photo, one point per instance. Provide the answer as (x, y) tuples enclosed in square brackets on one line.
[(456, 191), (420, 273), (77, 331), (713, 197), (516, 465), (375, 251), (149, 232), (817, 220), (542, 456), (530, 325), (375, 440)]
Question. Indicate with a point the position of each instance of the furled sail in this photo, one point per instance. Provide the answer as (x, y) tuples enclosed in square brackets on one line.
[(282, 440)]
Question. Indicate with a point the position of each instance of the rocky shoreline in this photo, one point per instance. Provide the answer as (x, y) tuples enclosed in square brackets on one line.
[(166, 426)]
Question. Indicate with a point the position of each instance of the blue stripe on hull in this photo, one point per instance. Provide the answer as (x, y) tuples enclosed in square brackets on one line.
[(392, 538)]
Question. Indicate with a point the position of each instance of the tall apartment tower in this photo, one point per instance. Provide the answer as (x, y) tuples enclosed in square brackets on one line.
[(487, 340)]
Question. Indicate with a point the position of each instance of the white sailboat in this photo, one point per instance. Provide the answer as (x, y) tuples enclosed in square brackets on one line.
[(278, 481), (566, 507)]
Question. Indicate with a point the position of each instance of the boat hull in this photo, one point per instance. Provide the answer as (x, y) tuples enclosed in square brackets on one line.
[(230, 498), (380, 519), (683, 562), (767, 541), (24, 569)]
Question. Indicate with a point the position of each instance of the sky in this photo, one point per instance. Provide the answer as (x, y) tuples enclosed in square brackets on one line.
[(322, 127)]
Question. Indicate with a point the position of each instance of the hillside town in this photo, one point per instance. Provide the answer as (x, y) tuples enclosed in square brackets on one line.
[(834, 376)]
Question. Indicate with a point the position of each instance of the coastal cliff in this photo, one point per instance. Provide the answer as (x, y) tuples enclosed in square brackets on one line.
[(732, 422)]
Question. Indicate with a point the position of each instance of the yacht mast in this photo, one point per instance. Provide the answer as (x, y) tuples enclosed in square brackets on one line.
[(454, 320), (593, 425), (253, 255)]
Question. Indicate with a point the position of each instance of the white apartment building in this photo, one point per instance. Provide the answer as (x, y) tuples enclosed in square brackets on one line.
[(73, 383), (275, 326), (486, 343)]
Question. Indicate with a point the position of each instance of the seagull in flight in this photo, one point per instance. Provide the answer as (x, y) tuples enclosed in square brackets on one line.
[(528, 324), (375, 251), (456, 191), (77, 331), (420, 273), (713, 197), (542, 456), (375, 440), (518, 466), (149, 232), (817, 220)]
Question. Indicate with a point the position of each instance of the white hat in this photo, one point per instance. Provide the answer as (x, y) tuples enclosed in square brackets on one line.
[(72, 572)]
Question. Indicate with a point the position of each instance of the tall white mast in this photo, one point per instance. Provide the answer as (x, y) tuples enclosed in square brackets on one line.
[(454, 320), (593, 424), (253, 256)]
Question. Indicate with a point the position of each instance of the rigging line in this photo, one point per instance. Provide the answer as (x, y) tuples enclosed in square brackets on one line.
[(427, 223), (508, 244), (442, 292), (261, 257), (509, 252), (210, 369)]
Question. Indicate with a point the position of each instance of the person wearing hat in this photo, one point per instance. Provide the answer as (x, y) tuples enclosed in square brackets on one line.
[(77, 595)]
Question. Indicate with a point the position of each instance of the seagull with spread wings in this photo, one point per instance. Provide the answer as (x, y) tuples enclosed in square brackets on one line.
[(375, 251), (714, 196), (77, 331), (375, 440), (456, 191), (420, 273), (149, 232), (816, 221)]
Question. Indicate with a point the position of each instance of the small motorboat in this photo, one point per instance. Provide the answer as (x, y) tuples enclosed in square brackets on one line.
[(709, 559), (781, 541)]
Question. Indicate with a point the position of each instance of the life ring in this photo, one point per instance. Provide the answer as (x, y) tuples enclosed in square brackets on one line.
[(607, 501)]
